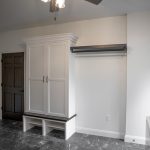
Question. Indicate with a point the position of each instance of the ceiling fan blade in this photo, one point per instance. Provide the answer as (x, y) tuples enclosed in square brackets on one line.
[(96, 2), (53, 7)]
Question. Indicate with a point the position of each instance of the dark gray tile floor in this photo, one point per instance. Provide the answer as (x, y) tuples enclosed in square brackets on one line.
[(12, 138)]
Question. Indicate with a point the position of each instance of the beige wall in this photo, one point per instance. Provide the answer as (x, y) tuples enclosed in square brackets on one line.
[(90, 32)]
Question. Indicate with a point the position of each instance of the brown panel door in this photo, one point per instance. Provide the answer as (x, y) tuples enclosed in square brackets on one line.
[(13, 86)]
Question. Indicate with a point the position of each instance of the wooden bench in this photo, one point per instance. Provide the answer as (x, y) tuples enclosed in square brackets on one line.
[(48, 123)]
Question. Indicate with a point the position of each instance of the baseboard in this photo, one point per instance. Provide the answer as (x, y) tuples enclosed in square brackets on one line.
[(98, 132), (137, 140)]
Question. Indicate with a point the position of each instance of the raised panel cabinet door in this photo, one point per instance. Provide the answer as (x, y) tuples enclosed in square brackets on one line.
[(35, 85), (56, 83), (57, 98)]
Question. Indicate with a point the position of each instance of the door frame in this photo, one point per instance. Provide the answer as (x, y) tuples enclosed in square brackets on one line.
[(1, 79)]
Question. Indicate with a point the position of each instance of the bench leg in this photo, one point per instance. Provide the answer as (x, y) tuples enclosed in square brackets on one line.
[(70, 128), (26, 126), (45, 129)]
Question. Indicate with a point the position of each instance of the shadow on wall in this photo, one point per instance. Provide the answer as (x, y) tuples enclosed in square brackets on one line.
[(147, 131)]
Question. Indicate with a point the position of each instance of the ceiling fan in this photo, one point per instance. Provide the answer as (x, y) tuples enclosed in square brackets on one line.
[(55, 5)]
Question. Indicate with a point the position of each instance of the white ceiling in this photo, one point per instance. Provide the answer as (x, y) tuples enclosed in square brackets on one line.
[(16, 14)]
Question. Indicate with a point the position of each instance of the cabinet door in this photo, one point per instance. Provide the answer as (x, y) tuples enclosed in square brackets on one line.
[(35, 83), (56, 86)]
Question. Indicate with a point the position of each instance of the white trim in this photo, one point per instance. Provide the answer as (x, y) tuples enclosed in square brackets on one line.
[(105, 133), (137, 140)]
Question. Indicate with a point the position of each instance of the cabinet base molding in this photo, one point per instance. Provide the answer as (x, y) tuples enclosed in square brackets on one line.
[(48, 123)]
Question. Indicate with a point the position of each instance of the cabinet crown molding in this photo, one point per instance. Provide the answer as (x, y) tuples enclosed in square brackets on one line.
[(51, 38)]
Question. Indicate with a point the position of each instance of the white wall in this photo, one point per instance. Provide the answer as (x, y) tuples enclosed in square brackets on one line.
[(101, 95), (101, 81), (138, 77)]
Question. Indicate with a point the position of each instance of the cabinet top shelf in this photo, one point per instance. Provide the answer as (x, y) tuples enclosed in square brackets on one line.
[(100, 48)]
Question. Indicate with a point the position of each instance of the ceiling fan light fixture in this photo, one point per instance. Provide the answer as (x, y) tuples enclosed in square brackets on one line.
[(45, 1), (60, 3)]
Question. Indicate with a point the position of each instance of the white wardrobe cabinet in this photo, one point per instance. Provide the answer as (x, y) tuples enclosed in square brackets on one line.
[(50, 75)]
